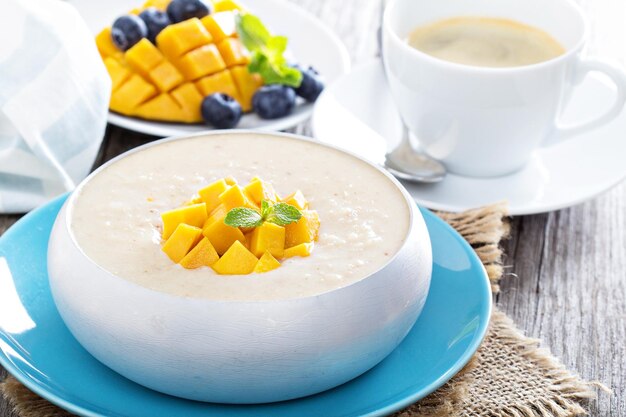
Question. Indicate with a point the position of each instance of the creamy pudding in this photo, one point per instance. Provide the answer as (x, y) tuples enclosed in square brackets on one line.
[(116, 217)]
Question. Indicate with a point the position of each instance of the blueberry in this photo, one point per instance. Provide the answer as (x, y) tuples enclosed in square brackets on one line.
[(311, 85), (155, 21), (221, 110), (179, 10), (274, 101), (127, 31)]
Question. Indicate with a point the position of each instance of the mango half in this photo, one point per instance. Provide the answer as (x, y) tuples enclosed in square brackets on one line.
[(191, 60)]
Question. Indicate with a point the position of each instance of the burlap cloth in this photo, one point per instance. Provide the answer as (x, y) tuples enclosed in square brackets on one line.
[(510, 375)]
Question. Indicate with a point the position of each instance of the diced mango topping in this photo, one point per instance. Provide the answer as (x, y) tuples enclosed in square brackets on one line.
[(193, 215), (304, 230), (236, 261), (268, 237), (203, 254), (222, 236), (238, 230), (259, 190), (211, 192), (303, 249), (266, 263), (183, 239), (235, 197), (297, 200)]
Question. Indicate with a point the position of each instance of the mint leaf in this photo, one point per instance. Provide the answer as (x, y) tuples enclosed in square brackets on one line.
[(281, 214), (284, 214), (266, 208), (267, 51), (252, 32), (277, 45), (243, 217)]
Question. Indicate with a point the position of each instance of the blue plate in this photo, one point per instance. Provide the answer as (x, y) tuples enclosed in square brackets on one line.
[(37, 348)]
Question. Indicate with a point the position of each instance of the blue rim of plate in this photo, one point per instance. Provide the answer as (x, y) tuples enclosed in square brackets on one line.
[(452, 255)]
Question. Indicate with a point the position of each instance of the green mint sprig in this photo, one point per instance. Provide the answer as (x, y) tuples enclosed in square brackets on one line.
[(281, 214), (267, 52)]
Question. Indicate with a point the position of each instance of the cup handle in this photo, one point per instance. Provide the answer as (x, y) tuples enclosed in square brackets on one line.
[(617, 76)]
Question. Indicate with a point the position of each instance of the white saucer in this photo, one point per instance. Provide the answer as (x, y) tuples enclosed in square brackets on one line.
[(310, 42), (358, 114)]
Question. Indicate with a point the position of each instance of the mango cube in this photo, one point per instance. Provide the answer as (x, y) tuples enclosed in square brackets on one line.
[(204, 60), (259, 190), (203, 254), (193, 215), (221, 82), (189, 99), (162, 106), (210, 194), (266, 263), (180, 38), (221, 236), (297, 200), (220, 25), (304, 230), (235, 197), (131, 94), (268, 237), (233, 52), (247, 84), (118, 73), (303, 250), (181, 241), (143, 57), (165, 76), (226, 5), (230, 180), (236, 261), (105, 44)]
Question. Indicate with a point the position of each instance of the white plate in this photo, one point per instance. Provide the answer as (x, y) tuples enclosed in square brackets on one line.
[(358, 114), (310, 42)]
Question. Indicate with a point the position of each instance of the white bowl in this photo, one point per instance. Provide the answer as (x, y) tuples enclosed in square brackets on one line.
[(239, 352)]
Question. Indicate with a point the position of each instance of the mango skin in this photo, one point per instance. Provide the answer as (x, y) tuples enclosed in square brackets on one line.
[(236, 261)]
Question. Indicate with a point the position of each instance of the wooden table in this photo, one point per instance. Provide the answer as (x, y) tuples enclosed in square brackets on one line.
[(566, 280)]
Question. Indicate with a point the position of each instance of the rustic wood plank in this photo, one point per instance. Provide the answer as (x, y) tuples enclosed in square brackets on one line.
[(569, 289)]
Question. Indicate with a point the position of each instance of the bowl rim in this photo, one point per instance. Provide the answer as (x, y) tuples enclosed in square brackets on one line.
[(412, 207)]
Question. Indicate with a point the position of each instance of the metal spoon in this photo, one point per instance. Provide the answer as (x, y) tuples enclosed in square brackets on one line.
[(405, 162), (408, 164)]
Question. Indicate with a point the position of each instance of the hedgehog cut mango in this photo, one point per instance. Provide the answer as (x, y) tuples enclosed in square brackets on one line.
[(191, 59)]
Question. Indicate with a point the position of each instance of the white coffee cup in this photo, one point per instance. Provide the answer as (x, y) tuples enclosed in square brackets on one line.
[(482, 121)]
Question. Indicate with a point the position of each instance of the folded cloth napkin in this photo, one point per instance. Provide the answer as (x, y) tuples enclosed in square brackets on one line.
[(54, 94)]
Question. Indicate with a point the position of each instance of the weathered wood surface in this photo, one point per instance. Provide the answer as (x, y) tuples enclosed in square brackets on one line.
[(567, 269)]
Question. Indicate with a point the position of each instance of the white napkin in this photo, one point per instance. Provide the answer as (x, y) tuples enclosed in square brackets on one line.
[(54, 95)]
